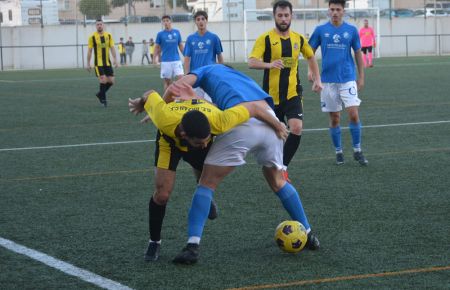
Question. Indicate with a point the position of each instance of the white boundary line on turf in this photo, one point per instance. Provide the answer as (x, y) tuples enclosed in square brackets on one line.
[(152, 140), (63, 266)]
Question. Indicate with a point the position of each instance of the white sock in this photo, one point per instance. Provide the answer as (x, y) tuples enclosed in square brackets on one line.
[(194, 240)]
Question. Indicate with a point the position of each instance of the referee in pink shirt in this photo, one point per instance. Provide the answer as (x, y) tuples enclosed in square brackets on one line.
[(367, 37)]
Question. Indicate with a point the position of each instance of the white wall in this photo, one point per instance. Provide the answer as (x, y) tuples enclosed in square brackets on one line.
[(68, 37)]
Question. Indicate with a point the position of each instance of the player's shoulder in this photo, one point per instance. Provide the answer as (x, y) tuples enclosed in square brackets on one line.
[(350, 26)]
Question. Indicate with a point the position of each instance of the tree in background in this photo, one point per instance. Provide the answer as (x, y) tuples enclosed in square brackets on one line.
[(94, 9), (131, 4)]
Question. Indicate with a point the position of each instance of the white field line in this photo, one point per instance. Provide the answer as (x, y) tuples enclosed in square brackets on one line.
[(152, 140), (63, 266)]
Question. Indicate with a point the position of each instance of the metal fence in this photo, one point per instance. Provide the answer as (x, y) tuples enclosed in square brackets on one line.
[(42, 56)]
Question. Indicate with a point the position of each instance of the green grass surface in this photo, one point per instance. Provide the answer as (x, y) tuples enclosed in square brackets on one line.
[(88, 205)]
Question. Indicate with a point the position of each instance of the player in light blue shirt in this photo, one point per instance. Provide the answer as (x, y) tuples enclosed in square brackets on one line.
[(202, 47), (229, 92), (167, 43), (336, 39)]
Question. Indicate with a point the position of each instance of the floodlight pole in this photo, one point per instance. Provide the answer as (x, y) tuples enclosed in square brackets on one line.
[(42, 15)]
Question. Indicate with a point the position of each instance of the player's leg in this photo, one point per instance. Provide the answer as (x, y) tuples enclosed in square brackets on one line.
[(349, 96), (364, 56), (294, 115), (166, 162), (196, 159), (211, 177), (370, 56), (227, 152), (102, 80), (269, 154), (332, 104)]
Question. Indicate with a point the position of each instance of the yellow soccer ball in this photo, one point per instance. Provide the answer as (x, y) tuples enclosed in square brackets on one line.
[(291, 236)]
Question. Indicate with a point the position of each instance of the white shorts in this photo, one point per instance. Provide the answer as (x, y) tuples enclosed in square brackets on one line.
[(170, 69), (333, 95), (254, 136), (201, 93)]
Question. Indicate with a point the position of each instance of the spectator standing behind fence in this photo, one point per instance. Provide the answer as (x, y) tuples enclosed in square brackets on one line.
[(129, 48), (121, 48), (151, 45), (144, 52), (367, 42)]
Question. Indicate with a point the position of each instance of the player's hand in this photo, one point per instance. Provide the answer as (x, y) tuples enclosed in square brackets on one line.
[(282, 131), (317, 86), (88, 68), (136, 106), (182, 91), (145, 120), (116, 64), (360, 84), (278, 64)]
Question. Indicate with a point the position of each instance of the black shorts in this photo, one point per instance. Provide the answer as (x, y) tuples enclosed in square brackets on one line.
[(168, 155), (366, 48), (104, 71), (290, 109)]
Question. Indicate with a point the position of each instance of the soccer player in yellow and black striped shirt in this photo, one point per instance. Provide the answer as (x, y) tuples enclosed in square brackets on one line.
[(277, 52), (185, 130), (102, 43)]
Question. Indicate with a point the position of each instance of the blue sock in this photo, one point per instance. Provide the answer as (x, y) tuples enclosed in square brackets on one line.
[(198, 213), (355, 130), (335, 134), (291, 201)]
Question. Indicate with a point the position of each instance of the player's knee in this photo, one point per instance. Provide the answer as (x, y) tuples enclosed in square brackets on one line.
[(161, 197), (296, 130)]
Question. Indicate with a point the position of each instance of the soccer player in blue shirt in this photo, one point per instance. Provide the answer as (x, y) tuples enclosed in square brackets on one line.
[(168, 41), (202, 48), (227, 88), (336, 39)]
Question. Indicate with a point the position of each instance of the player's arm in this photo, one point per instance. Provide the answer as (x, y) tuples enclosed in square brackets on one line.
[(187, 64), (150, 101), (180, 88), (114, 56), (220, 58), (255, 63), (360, 68), (314, 74), (255, 59), (156, 53), (89, 55), (261, 111)]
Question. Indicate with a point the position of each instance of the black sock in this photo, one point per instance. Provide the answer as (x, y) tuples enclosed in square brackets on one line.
[(156, 215), (290, 147), (102, 92), (108, 85)]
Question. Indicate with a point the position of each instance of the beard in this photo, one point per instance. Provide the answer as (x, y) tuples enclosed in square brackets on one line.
[(282, 28)]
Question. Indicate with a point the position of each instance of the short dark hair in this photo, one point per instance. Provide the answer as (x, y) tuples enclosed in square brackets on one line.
[(339, 2), (201, 13), (166, 16), (99, 20), (196, 125), (282, 4)]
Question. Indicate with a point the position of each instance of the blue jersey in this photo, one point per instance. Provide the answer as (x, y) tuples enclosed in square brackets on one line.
[(169, 40), (336, 44), (202, 49), (228, 87)]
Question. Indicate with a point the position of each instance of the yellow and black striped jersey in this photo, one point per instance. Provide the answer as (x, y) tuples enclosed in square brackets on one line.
[(167, 116), (270, 46), (101, 45)]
